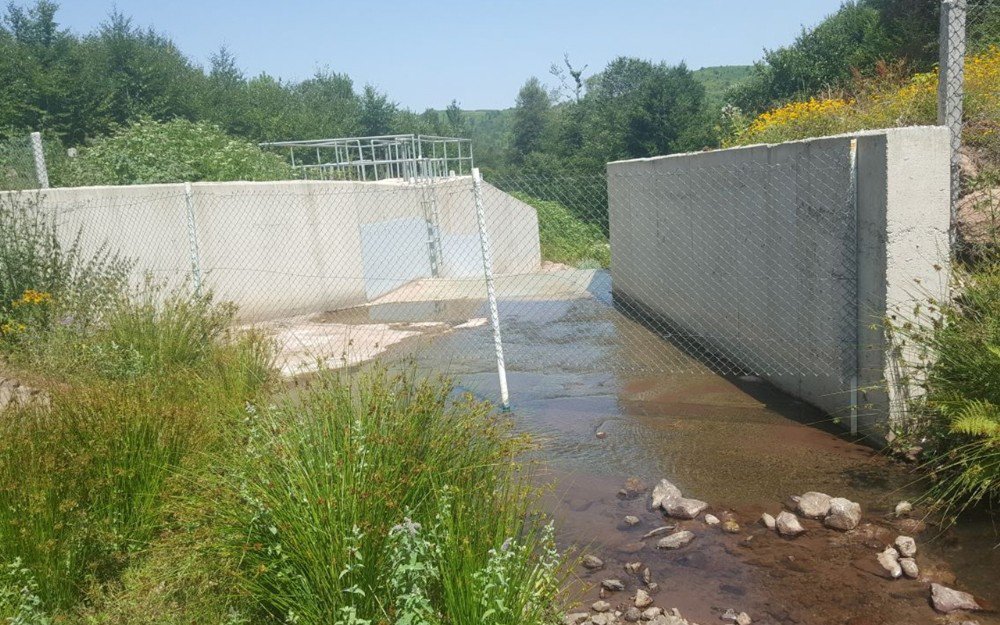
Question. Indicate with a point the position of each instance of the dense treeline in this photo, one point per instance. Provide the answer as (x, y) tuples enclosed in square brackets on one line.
[(81, 87)]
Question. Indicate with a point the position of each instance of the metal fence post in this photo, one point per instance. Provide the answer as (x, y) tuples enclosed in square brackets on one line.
[(484, 244), (40, 169), (194, 250), (951, 77)]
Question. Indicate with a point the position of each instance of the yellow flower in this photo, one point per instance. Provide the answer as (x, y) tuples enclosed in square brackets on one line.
[(33, 297)]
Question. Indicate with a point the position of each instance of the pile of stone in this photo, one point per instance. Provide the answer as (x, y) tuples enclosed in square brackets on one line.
[(602, 613), (835, 512)]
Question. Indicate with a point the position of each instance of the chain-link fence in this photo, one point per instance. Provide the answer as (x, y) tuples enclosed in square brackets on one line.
[(733, 268), (18, 166), (968, 39)]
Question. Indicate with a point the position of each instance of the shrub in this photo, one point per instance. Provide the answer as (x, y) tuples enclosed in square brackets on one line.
[(149, 151), (565, 238), (954, 349), (42, 279), (375, 499), (883, 101)]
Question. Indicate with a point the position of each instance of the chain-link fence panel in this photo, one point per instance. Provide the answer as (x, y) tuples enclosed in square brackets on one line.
[(982, 24), (745, 268), (737, 269), (17, 164), (336, 272)]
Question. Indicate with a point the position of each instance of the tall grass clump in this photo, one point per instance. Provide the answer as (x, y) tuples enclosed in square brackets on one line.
[(375, 499), (141, 386), (955, 353), (566, 238), (44, 277), (83, 479)]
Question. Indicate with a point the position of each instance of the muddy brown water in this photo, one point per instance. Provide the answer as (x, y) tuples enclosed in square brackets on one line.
[(578, 368)]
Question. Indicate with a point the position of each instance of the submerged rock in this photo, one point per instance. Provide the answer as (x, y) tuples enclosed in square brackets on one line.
[(768, 521), (788, 524), (683, 508), (844, 514), (906, 546), (813, 505), (631, 521), (731, 527), (592, 562), (633, 568), (663, 491), (948, 599), (632, 488), (889, 561), (614, 585), (675, 541), (903, 508), (659, 531)]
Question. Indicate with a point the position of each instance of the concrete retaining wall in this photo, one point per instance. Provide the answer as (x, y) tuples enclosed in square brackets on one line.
[(290, 247), (782, 258)]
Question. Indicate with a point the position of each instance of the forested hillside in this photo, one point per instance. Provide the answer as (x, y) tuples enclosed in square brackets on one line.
[(77, 88)]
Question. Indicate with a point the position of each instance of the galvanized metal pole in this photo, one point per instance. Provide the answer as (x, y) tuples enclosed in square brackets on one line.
[(853, 199), (40, 169), (484, 244), (194, 249), (951, 79)]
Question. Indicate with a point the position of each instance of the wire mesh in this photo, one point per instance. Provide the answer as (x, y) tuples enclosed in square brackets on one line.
[(737, 269), (17, 164), (969, 36)]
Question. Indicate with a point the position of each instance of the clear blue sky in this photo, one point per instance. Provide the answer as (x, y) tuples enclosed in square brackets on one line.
[(424, 53)]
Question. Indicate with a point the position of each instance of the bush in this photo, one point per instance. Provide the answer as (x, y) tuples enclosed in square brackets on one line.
[(149, 151), (955, 350), (884, 101), (42, 280), (376, 499), (567, 239)]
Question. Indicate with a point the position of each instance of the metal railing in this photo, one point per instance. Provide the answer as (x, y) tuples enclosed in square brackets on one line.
[(379, 158)]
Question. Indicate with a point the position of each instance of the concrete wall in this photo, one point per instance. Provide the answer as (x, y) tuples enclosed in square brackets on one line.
[(282, 248), (759, 255)]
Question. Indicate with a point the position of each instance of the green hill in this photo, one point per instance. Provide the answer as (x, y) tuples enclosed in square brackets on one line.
[(717, 79)]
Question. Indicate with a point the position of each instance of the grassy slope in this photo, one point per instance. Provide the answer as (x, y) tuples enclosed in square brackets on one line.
[(719, 78)]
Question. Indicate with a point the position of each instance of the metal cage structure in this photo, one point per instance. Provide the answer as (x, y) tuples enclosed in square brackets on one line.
[(383, 157)]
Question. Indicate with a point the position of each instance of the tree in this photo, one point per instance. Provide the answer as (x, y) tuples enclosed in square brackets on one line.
[(531, 117), (378, 113), (225, 99), (635, 108), (456, 120), (331, 106), (852, 39)]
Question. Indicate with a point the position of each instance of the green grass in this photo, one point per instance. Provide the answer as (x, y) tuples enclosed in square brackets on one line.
[(718, 79), (376, 499), (167, 480), (82, 480), (566, 238)]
